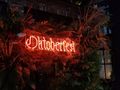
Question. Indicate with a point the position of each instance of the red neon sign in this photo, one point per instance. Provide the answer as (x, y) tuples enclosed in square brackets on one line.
[(41, 43)]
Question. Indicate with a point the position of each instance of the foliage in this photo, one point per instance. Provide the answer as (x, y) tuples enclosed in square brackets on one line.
[(30, 73), (79, 76)]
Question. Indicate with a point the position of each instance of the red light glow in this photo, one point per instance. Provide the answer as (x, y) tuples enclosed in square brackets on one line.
[(49, 44)]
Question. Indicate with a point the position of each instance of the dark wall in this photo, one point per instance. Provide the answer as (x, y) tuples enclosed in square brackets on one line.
[(115, 19)]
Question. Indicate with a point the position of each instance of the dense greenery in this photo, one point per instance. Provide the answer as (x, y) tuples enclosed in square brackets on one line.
[(82, 73)]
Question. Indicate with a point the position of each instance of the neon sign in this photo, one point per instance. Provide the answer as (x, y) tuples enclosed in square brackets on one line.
[(41, 43)]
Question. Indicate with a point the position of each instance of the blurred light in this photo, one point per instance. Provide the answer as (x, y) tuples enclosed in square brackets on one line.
[(105, 64), (21, 34)]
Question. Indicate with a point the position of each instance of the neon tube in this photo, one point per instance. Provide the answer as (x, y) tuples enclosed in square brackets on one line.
[(41, 43)]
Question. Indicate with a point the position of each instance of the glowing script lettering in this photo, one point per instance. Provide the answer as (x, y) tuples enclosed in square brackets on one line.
[(41, 43)]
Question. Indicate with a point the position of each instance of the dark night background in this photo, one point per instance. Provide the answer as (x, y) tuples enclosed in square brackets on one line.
[(115, 27), (115, 19)]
